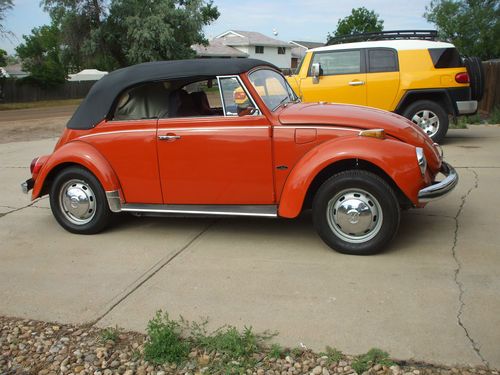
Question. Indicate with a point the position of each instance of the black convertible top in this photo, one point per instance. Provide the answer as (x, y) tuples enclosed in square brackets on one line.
[(98, 102)]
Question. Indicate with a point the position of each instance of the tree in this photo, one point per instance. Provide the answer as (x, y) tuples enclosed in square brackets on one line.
[(361, 20), (3, 57), (41, 55), (473, 26), (5, 6)]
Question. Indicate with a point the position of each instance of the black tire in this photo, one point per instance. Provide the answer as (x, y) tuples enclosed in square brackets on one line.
[(476, 77), (83, 209), (367, 191), (417, 111)]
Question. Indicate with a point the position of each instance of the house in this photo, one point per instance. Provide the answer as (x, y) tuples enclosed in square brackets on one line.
[(299, 49), (15, 71), (240, 44), (87, 75)]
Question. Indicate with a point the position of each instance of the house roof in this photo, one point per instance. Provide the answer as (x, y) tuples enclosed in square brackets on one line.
[(249, 38), (307, 45), (217, 48), (15, 69)]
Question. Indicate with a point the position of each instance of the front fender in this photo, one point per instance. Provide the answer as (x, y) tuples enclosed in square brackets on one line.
[(397, 159), (79, 153)]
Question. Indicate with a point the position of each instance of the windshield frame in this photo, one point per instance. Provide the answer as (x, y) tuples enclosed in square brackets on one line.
[(292, 96)]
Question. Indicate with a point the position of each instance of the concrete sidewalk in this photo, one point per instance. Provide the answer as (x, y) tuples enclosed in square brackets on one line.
[(434, 295)]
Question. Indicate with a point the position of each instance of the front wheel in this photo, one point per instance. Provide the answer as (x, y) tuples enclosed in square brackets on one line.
[(356, 212), (78, 201), (430, 117)]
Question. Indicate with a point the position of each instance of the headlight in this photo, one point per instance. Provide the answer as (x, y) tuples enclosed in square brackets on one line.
[(422, 161)]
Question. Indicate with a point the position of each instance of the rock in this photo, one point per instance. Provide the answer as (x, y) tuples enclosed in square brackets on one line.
[(289, 359), (317, 370), (342, 363), (377, 367), (78, 369), (325, 372)]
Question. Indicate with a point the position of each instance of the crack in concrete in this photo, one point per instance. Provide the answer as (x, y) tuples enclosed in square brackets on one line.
[(158, 269), (459, 284), (19, 209)]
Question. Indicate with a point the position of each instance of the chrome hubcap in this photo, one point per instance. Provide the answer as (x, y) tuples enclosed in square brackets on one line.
[(77, 202), (428, 121), (354, 215)]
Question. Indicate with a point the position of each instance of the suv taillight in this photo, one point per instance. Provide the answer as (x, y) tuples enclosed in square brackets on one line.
[(462, 77)]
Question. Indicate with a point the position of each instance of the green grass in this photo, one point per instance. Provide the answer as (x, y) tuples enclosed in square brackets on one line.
[(275, 351), (39, 104), (373, 357), (110, 334), (495, 116), (333, 355)]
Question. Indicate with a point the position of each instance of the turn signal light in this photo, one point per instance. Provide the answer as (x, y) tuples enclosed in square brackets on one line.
[(462, 77), (373, 133), (33, 165)]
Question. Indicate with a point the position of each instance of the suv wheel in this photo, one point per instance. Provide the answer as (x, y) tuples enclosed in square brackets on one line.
[(430, 117), (356, 212), (78, 201)]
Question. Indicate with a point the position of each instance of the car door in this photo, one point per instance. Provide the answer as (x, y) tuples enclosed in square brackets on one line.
[(342, 79), (219, 158), (382, 78)]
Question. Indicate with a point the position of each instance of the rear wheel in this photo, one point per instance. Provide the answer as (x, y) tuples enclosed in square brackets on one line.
[(78, 201), (356, 212), (430, 117)]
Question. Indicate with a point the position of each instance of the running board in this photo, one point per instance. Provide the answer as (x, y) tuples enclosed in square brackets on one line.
[(212, 209)]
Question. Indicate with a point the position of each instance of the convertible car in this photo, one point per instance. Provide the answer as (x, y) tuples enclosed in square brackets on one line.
[(230, 137)]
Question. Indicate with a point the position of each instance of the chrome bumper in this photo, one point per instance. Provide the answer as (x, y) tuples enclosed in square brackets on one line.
[(467, 107), (441, 188), (27, 185)]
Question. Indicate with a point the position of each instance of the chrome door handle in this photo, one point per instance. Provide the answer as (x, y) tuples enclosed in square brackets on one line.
[(356, 83), (169, 137)]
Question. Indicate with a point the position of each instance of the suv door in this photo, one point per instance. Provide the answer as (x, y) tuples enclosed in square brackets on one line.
[(382, 78), (342, 79)]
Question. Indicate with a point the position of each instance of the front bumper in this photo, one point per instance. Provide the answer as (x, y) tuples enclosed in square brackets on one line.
[(27, 185), (441, 188)]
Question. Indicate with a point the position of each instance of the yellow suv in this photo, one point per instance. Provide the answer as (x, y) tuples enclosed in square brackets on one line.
[(423, 80)]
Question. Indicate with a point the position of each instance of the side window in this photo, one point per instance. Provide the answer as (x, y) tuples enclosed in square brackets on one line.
[(148, 101), (235, 100), (338, 62), (196, 99), (382, 60)]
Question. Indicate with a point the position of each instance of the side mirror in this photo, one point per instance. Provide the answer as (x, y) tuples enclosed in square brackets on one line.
[(316, 72)]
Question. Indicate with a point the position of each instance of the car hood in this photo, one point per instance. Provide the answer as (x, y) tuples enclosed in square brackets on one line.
[(353, 116)]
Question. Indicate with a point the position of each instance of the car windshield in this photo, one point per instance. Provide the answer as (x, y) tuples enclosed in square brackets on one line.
[(272, 88)]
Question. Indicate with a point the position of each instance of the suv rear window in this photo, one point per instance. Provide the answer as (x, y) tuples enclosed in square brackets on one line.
[(445, 58)]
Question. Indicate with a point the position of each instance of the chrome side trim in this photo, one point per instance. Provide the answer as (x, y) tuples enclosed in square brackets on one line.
[(440, 189), (467, 107), (114, 201), (211, 209)]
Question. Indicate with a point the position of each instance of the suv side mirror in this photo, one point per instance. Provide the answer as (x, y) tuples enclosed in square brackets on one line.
[(316, 72)]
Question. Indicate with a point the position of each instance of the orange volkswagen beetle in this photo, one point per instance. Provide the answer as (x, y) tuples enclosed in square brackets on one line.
[(169, 138)]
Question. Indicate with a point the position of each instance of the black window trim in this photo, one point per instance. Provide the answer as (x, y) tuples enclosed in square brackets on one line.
[(362, 61), (367, 57), (260, 48)]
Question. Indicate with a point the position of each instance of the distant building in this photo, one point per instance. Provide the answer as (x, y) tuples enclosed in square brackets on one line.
[(87, 75), (15, 71), (299, 49), (240, 44)]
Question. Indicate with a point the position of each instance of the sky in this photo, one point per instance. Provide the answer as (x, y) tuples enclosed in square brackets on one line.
[(307, 20)]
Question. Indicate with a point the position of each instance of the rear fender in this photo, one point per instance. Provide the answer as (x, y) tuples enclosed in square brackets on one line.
[(395, 158), (81, 154)]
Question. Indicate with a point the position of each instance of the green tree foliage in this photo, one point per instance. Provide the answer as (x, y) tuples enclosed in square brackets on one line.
[(473, 26), (3, 57), (361, 20), (41, 55), (5, 6)]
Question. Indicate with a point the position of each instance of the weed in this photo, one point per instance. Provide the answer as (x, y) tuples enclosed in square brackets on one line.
[(110, 334), (275, 351), (495, 116), (460, 124), (296, 352), (374, 356), (164, 343), (333, 355)]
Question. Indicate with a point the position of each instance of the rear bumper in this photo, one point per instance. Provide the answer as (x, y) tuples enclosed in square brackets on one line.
[(467, 107), (27, 185), (441, 188)]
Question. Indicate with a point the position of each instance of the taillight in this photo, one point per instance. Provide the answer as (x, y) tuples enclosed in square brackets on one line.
[(35, 166), (462, 77)]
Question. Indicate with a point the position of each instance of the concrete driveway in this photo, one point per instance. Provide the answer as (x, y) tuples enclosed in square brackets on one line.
[(434, 295)]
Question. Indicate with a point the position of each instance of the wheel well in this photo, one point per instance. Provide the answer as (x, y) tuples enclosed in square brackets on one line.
[(349, 164), (438, 97), (53, 173)]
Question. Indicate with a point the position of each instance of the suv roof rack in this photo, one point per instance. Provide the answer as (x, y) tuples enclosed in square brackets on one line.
[(385, 35)]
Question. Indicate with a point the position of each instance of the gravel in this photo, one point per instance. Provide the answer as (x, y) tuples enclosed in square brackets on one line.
[(41, 348)]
